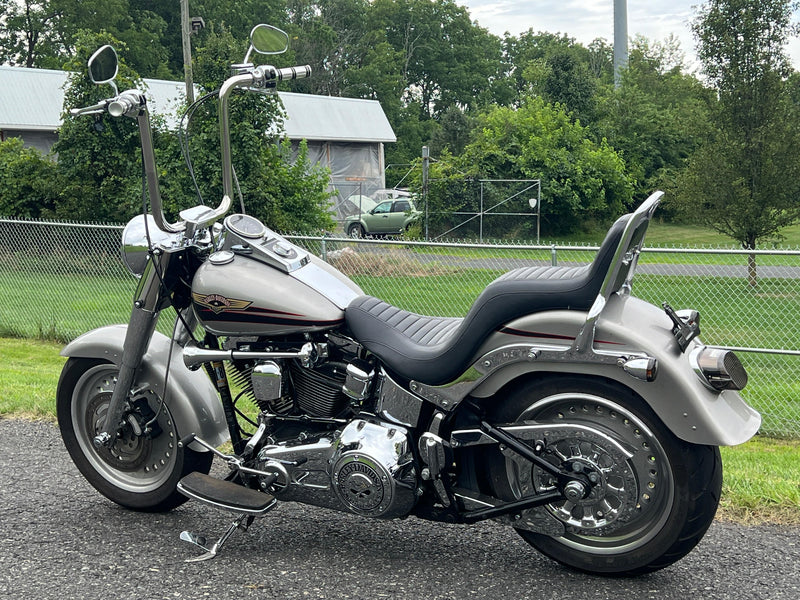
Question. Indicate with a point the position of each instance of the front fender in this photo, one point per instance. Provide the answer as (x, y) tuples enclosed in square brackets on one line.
[(190, 395), (688, 408)]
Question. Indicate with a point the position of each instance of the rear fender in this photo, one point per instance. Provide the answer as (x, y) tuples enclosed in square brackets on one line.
[(687, 407), (191, 397)]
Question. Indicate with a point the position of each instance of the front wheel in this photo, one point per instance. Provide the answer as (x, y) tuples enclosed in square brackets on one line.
[(140, 471), (355, 231), (643, 513)]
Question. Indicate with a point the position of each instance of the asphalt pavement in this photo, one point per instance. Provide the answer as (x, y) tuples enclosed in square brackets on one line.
[(61, 539)]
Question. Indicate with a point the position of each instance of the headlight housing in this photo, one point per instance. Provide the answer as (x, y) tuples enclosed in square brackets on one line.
[(136, 245)]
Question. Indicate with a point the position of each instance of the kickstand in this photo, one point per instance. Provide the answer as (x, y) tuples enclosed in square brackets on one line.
[(242, 522)]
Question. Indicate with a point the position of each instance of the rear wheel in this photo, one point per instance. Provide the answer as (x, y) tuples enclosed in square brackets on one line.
[(139, 471), (643, 513)]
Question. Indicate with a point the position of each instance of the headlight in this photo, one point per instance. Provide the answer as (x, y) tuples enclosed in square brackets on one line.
[(135, 244)]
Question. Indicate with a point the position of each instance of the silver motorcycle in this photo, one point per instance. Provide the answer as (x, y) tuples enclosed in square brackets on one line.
[(562, 406)]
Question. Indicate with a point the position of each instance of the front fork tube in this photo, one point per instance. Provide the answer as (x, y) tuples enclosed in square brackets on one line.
[(149, 300), (216, 371)]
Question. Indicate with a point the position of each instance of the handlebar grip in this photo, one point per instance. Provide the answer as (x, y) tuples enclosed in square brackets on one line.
[(294, 72), (126, 103)]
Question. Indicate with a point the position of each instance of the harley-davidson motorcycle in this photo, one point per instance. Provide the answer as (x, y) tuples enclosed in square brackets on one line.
[(562, 406)]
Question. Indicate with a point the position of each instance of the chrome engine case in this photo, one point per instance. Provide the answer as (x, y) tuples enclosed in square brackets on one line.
[(366, 468)]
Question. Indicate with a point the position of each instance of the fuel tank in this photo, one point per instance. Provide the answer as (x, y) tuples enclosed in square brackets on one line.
[(260, 284)]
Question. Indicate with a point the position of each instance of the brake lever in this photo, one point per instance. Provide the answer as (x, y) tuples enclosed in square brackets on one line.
[(95, 109)]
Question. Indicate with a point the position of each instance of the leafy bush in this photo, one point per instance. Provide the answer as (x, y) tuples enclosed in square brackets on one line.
[(29, 181)]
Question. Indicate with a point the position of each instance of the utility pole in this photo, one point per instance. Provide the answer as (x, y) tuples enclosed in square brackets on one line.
[(620, 38), (426, 159), (187, 51)]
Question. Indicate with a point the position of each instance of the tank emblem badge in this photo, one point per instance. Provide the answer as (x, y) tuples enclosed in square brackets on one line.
[(218, 303)]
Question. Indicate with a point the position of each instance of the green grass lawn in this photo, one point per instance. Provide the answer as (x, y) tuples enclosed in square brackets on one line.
[(29, 372), (761, 480), (678, 234), (668, 234)]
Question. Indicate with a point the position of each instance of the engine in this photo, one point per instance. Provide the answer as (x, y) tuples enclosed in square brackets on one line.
[(322, 432), (319, 387), (366, 468)]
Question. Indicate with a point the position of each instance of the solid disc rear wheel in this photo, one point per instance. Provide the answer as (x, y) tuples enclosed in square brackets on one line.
[(642, 514), (138, 471)]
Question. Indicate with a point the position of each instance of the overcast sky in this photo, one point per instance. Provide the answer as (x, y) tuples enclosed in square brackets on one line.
[(586, 20)]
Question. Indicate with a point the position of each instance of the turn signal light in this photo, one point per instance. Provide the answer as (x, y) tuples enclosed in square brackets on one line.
[(645, 369)]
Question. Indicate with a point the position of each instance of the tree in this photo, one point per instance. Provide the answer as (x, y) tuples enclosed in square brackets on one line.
[(583, 183), (657, 117), (557, 67), (278, 186), (568, 82), (27, 31), (445, 59), (98, 158), (29, 181), (746, 180)]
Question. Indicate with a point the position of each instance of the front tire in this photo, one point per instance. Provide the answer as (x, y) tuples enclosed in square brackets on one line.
[(642, 515), (356, 231), (140, 472)]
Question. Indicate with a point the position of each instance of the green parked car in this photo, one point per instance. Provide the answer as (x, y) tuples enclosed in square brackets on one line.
[(392, 215)]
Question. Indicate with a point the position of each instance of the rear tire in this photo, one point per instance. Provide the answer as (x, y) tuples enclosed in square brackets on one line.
[(137, 472), (643, 515)]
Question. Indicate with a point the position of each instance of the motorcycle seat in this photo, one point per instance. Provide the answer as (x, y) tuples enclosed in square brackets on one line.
[(437, 350)]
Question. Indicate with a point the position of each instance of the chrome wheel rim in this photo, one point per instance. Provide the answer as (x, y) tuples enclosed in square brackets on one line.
[(134, 463), (630, 502)]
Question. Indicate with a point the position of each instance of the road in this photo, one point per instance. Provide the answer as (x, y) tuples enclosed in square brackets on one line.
[(60, 539), (501, 263), (683, 270)]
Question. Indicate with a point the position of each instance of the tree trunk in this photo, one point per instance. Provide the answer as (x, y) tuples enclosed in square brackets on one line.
[(752, 274)]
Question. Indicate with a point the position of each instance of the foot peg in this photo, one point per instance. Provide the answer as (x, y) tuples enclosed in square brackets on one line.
[(225, 494), (245, 502)]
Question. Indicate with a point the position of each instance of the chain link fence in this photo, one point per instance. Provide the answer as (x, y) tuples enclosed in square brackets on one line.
[(58, 280)]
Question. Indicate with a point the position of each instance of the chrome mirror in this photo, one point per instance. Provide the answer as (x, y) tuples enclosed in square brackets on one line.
[(103, 65), (266, 39)]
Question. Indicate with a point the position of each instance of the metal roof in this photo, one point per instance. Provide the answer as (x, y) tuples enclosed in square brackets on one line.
[(32, 99), (328, 118)]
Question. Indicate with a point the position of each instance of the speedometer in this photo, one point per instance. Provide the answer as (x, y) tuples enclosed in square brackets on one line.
[(245, 226)]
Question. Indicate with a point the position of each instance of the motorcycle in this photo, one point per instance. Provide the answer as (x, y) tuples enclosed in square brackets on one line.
[(560, 405)]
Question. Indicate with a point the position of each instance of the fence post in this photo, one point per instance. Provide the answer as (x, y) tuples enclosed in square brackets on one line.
[(553, 256)]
